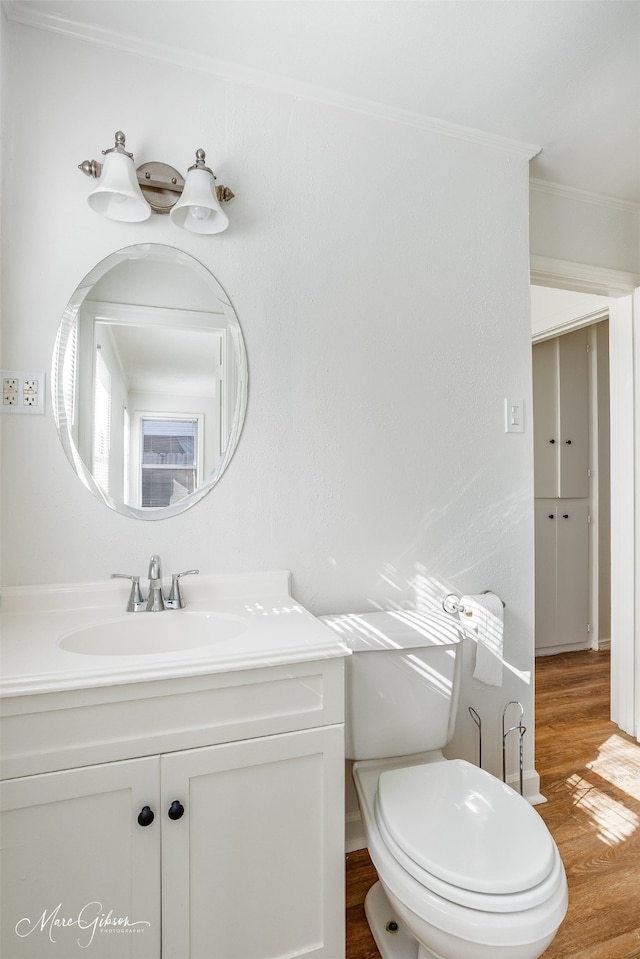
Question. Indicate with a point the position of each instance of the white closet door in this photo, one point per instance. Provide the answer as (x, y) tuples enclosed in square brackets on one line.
[(573, 572), (574, 414), (545, 525), (545, 396)]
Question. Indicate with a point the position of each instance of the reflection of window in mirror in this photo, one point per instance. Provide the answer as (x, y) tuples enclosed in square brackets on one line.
[(126, 433), (68, 387), (101, 423), (168, 459)]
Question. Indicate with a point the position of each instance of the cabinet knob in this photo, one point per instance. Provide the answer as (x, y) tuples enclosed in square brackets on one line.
[(176, 810), (552, 442), (565, 516), (568, 442), (552, 516), (145, 816)]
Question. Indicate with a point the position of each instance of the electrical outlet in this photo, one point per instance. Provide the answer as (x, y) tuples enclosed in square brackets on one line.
[(9, 391), (30, 392), (22, 392)]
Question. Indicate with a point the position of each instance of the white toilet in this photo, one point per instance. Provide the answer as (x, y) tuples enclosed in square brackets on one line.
[(467, 868)]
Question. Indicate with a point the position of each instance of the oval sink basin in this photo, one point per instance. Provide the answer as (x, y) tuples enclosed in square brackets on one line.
[(148, 634)]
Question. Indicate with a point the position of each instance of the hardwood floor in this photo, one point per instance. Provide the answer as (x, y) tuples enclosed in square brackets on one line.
[(590, 775)]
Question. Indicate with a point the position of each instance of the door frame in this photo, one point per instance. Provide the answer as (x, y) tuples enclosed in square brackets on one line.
[(623, 289)]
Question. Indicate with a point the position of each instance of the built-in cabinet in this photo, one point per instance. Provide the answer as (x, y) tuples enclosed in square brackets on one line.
[(562, 577), (561, 416), (562, 490), (232, 848)]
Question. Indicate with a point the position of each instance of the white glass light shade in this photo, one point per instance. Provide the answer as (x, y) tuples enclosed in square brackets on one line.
[(198, 209), (117, 194)]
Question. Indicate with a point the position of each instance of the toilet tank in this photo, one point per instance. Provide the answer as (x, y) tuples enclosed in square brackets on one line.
[(402, 681)]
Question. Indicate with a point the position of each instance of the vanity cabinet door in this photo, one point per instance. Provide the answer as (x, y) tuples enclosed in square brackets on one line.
[(80, 876), (253, 867)]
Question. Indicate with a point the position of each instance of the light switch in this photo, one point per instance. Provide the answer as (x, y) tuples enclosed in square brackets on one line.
[(513, 415)]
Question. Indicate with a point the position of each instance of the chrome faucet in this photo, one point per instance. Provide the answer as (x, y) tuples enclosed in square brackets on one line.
[(155, 601)]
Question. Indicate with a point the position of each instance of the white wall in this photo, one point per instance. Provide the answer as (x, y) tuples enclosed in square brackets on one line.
[(581, 228), (380, 274)]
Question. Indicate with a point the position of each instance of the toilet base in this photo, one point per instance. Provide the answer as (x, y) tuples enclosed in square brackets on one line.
[(392, 943)]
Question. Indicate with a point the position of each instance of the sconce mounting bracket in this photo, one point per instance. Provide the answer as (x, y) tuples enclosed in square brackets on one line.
[(160, 184)]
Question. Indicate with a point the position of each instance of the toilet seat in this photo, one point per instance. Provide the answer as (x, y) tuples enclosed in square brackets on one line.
[(466, 836)]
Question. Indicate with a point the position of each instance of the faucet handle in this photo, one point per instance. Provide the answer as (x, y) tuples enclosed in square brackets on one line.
[(135, 602), (174, 600)]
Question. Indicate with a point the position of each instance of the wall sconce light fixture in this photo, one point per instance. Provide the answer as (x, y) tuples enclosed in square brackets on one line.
[(130, 195)]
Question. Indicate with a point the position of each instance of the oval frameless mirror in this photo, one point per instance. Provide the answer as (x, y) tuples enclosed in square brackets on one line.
[(149, 381)]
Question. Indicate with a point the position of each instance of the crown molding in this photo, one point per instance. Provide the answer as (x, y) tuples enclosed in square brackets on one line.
[(236, 73), (582, 278), (572, 193), (568, 323)]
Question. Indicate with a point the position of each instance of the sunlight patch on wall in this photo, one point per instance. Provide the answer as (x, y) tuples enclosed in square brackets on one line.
[(429, 593), (615, 823)]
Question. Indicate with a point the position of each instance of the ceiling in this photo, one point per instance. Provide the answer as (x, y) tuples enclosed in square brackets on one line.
[(563, 75)]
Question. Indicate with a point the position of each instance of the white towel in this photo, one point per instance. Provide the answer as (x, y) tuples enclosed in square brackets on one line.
[(484, 616)]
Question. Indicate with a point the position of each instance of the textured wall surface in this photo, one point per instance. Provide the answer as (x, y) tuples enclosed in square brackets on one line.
[(380, 274)]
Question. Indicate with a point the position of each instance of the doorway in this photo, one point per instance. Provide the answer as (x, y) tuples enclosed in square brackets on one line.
[(624, 312), (572, 470)]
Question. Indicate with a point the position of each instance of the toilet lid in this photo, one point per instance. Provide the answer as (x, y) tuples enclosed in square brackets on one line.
[(460, 824)]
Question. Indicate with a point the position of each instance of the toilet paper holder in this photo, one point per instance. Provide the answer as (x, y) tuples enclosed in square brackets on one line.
[(476, 718), (518, 728), (453, 604)]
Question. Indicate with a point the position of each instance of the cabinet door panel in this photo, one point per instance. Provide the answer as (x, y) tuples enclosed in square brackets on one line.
[(545, 589), (75, 863), (545, 418), (574, 414), (573, 572), (254, 868)]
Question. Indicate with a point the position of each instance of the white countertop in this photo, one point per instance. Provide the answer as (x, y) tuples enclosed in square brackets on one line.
[(33, 620)]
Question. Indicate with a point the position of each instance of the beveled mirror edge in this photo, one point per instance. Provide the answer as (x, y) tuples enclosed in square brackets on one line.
[(139, 251)]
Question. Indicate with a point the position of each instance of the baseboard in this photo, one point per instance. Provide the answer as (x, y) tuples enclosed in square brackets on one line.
[(354, 837), (530, 786), (567, 648), (602, 643)]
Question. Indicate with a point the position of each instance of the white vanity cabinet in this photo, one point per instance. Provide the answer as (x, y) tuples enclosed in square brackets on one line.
[(251, 763)]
